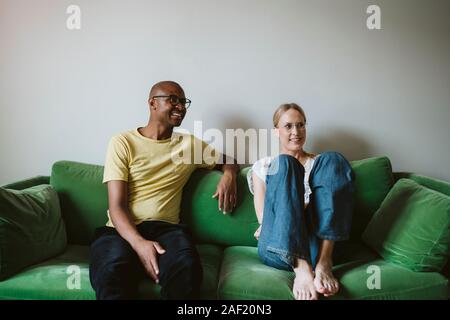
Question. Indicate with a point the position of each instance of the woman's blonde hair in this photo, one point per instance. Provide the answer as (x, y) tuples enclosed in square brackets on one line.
[(285, 107)]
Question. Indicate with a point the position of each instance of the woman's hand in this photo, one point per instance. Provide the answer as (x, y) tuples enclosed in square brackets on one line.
[(226, 192)]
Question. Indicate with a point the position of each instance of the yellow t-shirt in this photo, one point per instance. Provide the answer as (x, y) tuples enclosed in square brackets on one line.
[(156, 171)]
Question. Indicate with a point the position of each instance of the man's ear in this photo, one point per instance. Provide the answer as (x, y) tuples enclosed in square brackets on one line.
[(151, 104), (276, 132)]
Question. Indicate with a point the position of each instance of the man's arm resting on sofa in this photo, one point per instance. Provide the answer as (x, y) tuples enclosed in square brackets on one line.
[(226, 191), (123, 222)]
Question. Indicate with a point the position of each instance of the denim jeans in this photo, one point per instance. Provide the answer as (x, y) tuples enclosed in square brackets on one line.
[(289, 231), (115, 268)]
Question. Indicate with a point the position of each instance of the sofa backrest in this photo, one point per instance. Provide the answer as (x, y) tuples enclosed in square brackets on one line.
[(84, 201), (83, 198), (209, 225), (373, 180)]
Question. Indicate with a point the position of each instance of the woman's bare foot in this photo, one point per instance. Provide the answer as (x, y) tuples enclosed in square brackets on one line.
[(324, 280), (303, 288)]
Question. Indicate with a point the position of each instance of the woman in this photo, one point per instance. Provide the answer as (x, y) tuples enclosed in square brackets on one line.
[(303, 203)]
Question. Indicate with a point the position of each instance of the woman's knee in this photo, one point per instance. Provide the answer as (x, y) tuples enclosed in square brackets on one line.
[(273, 260), (285, 163), (333, 157), (336, 162)]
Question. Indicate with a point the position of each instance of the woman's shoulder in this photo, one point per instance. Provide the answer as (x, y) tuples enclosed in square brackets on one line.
[(260, 167), (262, 164)]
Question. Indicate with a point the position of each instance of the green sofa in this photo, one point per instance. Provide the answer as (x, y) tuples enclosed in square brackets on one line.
[(232, 269)]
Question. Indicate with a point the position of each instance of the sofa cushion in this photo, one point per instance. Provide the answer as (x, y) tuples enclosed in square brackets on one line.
[(373, 180), (83, 198), (411, 228), (358, 281), (429, 182), (31, 228), (209, 225), (243, 276), (55, 279)]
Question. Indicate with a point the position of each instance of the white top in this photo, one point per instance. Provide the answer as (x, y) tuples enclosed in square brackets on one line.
[(261, 167)]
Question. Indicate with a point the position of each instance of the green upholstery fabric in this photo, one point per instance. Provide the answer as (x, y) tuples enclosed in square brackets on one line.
[(411, 228), (373, 180), (84, 201), (31, 228), (397, 283), (210, 225), (237, 272), (50, 279), (243, 276), (431, 183), (27, 183), (83, 198)]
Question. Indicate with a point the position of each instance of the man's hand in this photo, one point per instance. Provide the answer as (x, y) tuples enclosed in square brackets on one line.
[(147, 252), (226, 192), (257, 232)]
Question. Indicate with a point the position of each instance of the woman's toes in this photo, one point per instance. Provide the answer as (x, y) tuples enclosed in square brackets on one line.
[(326, 283), (319, 285), (336, 287)]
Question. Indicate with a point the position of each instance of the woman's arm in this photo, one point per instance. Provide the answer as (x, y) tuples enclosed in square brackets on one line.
[(259, 189)]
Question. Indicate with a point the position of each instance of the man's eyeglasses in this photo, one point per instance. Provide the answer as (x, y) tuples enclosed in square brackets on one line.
[(175, 100)]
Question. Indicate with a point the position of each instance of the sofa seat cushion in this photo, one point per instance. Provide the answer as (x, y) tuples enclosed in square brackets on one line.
[(395, 282), (244, 276), (48, 280), (54, 279)]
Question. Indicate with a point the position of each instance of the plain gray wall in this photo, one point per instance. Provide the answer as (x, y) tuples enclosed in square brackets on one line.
[(64, 93)]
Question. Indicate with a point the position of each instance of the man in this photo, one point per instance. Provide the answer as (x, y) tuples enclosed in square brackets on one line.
[(144, 194)]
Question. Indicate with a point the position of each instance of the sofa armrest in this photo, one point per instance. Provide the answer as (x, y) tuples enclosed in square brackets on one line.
[(27, 183)]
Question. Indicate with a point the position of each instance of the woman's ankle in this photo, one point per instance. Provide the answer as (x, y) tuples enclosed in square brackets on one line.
[(302, 266)]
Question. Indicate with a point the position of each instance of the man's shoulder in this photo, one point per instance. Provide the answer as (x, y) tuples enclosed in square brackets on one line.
[(183, 135), (124, 136), (187, 137)]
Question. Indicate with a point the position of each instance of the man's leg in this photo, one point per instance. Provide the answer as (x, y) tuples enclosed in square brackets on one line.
[(285, 241), (331, 183), (115, 267), (180, 269)]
